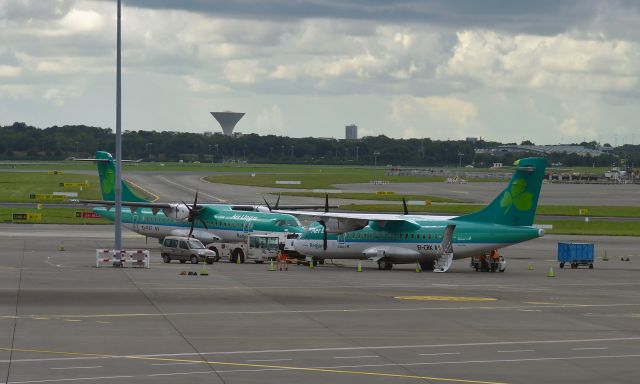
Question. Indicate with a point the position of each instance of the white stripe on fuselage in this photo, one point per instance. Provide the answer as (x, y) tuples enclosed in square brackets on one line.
[(353, 250)]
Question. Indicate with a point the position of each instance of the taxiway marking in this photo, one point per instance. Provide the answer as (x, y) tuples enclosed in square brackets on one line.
[(336, 370), (91, 367), (193, 190), (445, 298)]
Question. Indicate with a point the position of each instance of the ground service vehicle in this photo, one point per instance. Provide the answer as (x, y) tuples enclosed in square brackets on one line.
[(575, 254), (185, 249), (256, 248)]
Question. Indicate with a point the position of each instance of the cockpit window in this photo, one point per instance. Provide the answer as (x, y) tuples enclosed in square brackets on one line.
[(288, 223)]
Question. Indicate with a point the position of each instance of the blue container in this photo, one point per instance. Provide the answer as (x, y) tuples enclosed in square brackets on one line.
[(575, 254)]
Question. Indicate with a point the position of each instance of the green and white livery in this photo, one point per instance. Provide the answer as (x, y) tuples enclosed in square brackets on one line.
[(429, 240), (206, 222)]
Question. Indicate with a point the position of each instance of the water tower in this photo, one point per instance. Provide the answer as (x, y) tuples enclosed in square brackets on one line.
[(227, 120)]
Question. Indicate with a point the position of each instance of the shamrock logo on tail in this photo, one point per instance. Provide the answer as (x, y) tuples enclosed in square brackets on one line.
[(516, 196)]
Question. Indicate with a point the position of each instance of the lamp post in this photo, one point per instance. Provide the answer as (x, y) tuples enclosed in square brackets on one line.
[(460, 154), (147, 149), (375, 158)]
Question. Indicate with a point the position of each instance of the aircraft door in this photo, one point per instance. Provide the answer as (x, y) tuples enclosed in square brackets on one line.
[(247, 227), (136, 223), (342, 238)]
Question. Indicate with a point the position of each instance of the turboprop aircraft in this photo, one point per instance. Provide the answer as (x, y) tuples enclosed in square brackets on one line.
[(206, 222), (429, 240)]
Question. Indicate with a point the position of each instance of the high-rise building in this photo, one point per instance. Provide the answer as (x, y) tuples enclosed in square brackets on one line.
[(351, 132)]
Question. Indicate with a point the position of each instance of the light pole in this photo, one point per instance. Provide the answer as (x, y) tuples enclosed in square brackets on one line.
[(357, 155), (210, 158), (375, 158), (460, 154), (148, 152), (77, 150)]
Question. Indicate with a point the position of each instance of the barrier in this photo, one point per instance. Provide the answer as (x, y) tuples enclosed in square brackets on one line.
[(134, 259)]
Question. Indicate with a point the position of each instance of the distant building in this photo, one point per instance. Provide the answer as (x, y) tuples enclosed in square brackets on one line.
[(471, 140), (351, 132)]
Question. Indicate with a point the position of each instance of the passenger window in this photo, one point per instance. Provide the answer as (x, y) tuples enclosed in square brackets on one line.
[(183, 244)]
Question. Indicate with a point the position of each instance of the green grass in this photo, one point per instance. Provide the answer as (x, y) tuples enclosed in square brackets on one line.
[(51, 215), (460, 209), (600, 228), (17, 186), (370, 196)]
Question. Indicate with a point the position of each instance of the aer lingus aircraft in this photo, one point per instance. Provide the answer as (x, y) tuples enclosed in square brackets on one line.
[(206, 222), (429, 240)]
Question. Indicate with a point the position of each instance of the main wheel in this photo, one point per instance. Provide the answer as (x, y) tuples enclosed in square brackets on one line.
[(590, 265), (166, 258), (561, 265), (183, 261), (194, 259), (321, 261)]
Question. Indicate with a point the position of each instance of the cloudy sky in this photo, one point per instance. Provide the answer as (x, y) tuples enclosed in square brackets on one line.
[(547, 70)]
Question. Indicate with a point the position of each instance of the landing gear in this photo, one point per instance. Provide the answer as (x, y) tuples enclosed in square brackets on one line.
[(385, 264)]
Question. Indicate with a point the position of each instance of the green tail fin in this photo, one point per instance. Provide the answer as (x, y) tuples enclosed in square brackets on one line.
[(517, 204), (107, 174)]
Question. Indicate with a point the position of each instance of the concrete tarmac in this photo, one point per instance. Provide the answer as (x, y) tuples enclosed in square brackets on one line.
[(63, 320)]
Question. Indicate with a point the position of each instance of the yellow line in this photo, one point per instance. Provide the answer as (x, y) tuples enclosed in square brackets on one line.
[(283, 367), (156, 197)]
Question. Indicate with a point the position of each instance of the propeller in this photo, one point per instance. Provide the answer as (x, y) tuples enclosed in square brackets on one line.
[(193, 214), (326, 203), (404, 204), (267, 203), (324, 234)]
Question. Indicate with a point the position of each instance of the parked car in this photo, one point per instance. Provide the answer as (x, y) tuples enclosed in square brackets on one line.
[(185, 249)]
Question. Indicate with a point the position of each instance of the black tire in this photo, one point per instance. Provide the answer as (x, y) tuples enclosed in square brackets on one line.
[(194, 259), (321, 261), (574, 265), (561, 265), (591, 266), (210, 261), (183, 261), (239, 254), (259, 261), (166, 258)]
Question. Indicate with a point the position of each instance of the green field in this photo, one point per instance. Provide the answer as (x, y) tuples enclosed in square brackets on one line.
[(596, 228), (51, 215), (460, 209), (369, 196), (17, 186)]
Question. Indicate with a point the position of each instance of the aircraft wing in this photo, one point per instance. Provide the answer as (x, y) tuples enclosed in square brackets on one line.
[(379, 217), (137, 204)]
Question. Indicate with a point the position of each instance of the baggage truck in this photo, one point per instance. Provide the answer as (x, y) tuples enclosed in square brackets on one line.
[(576, 254)]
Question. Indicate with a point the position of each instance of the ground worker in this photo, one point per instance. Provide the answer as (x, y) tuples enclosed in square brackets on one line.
[(282, 261)]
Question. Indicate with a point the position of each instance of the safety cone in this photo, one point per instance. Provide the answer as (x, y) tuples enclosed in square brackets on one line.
[(359, 267), (203, 271), (530, 267), (238, 259), (62, 246), (272, 266), (311, 264), (551, 273), (418, 267), (605, 258)]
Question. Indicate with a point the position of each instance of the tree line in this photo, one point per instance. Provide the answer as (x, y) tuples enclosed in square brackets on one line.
[(23, 142)]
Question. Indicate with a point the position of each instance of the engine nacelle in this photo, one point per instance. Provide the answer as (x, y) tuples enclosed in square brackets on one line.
[(177, 212)]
